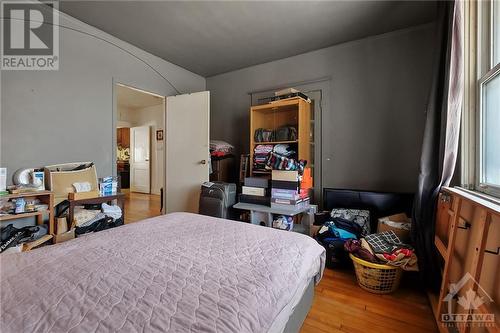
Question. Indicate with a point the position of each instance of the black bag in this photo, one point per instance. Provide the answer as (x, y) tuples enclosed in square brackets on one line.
[(336, 255), (263, 135), (217, 199), (286, 133)]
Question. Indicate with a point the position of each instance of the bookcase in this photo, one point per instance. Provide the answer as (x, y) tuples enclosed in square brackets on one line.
[(294, 112)]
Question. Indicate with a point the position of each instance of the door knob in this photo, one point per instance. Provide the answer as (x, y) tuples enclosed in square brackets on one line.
[(203, 161)]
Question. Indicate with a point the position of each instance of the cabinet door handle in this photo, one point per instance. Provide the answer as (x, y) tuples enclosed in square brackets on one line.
[(203, 162)]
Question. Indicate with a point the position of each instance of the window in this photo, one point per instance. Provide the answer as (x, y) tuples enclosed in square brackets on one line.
[(489, 156), (481, 119), (488, 175), (496, 31)]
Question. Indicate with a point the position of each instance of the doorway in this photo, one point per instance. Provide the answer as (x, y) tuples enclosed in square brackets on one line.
[(140, 150)]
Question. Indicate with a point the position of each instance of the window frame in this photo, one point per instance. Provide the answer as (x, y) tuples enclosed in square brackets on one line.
[(481, 186), (478, 70)]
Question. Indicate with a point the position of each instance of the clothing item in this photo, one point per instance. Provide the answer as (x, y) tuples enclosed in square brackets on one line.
[(97, 217), (384, 242), (360, 217), (404, 258), (12, 236), (82, 216), (220, 148), (114, 212), (336, 255), (260, 156), (355, 247), (330, 230), (285, 150), (348, 225), (279, 162)]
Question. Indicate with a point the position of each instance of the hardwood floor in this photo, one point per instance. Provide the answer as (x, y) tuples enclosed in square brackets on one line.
[(339, 304), (140, 206)]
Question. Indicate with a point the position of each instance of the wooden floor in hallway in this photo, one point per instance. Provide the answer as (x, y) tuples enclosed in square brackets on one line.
[(340, 305), (140, 206)]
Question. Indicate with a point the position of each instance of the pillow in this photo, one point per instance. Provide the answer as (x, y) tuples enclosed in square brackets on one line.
[(360, 217)]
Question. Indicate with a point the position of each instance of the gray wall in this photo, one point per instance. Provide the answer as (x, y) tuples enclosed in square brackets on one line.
[(372, 130), (50, 117)]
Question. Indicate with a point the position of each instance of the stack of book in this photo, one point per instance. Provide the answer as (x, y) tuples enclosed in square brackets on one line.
[(256, 191), (286, 191)]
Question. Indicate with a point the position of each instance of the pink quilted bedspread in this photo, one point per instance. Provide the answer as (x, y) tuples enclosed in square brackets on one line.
[(175, 273)]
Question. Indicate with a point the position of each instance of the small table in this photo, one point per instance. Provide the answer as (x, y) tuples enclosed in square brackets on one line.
[(119, 197), (261, 213)]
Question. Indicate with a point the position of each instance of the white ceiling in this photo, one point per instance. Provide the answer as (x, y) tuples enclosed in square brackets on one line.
[(134, 99), (210, 38)]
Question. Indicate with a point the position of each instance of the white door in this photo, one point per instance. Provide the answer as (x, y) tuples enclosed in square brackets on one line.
[(140, 173), (187, 150)]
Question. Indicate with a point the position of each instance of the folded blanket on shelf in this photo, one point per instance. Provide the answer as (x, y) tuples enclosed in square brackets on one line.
[(263, 149), (284, 150)]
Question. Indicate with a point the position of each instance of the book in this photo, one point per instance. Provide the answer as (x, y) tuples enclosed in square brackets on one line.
[(255, 199), (257, 182), (286, 185), (292, 176), (302, 205), (250, 190), (278, 193), (290, 202)]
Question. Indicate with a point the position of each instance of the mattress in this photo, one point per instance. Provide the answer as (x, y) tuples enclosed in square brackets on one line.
[(175, 273)]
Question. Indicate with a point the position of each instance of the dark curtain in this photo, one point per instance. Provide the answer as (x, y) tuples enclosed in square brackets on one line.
[(441, 136)]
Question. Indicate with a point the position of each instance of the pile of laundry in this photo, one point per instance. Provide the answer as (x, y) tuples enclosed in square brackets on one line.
[(92, 220), (383, 248), (219, 148), (334, 233), (12, 236)]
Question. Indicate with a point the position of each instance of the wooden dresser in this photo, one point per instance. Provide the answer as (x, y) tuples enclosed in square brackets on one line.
[(467, 239)]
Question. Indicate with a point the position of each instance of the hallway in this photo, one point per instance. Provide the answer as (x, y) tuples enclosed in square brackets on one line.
[(140, 206)]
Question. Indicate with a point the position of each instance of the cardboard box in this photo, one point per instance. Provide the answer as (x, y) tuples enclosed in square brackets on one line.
[(64, 236), (399, 223), (314, 229), (83, 195), (257, 182), (290, 176), (250, 190)]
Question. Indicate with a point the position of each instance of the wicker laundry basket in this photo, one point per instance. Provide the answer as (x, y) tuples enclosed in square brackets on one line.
[(376, 278)]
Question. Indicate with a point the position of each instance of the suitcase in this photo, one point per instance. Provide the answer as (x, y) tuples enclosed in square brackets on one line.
[(217, 198)]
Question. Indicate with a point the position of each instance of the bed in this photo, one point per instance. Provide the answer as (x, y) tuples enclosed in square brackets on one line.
[(174, 273)]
